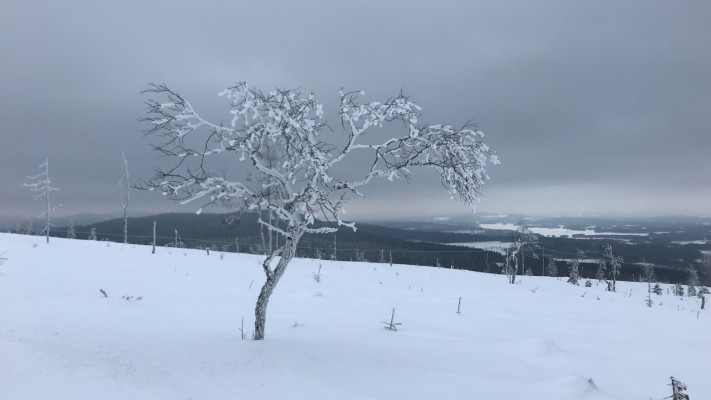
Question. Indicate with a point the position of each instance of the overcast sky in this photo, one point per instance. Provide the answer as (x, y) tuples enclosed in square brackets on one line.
[(594, 107)]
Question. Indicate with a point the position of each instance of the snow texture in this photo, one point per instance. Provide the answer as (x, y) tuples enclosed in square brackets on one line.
[(60, 338)]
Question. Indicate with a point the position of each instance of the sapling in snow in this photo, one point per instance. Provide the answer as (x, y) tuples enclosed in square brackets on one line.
[(392, 325), (302, 187), (552, 268), (70, 231), (601, 269), (125, 198), (649, 301), (242, 332), (317, 275), (648, 274), (510, 268), (691, 290), (27, 228), (692, 282), (41, 185), (678, 389), (529, 244), (657, 290), (678, 290), (615, 263), (574, 269)]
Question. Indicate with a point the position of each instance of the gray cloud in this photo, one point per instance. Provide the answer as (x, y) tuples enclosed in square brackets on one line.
[(594, 107)]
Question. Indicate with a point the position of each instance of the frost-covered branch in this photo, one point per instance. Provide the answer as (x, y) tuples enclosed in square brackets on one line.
[(458, 155)]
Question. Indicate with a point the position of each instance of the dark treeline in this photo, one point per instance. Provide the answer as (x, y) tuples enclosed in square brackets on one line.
[(369, 243)]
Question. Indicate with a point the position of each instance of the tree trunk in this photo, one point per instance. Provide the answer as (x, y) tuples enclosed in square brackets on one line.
[(273, 276), (125, 225), (47, 209), (48, 224), (260, 311)]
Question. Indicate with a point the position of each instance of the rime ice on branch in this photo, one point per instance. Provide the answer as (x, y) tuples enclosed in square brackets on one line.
[(276, 136)]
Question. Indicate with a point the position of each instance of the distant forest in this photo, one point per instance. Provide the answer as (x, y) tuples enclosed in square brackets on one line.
[(375, 243)]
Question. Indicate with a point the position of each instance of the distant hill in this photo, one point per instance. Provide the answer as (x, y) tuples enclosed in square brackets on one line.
[(367, 243)]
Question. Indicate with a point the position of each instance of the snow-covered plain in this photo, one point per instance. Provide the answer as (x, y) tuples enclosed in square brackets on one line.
[(540, 339), (497, 246)]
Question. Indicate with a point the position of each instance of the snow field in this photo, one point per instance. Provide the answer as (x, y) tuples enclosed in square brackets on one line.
[(61, 339), (560, 231)]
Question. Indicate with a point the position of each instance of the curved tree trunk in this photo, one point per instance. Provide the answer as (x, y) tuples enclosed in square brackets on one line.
[(260, 310), (273, 276)]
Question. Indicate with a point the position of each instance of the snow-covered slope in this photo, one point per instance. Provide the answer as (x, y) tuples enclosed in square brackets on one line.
[(60, 338)]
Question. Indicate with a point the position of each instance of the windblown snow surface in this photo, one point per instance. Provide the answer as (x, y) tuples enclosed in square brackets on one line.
[(60, 338)]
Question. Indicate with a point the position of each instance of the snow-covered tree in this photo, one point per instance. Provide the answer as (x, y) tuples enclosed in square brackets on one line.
[(678, 389), (124, 197), (303, 186), (691, 290), (27, 228), (657, 290), (92, 234), (529, 244), (648, 274), (552, 268), (601, 269), (615, 263), (510, 268), (678, 290), (574, 269), (70, 231), (41, 185), (693, 279)]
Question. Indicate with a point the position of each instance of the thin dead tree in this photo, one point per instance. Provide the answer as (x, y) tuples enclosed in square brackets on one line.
[(125, 198), (529, 244), (511, 265), (615, 264), (303, 187), (41, 186)]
